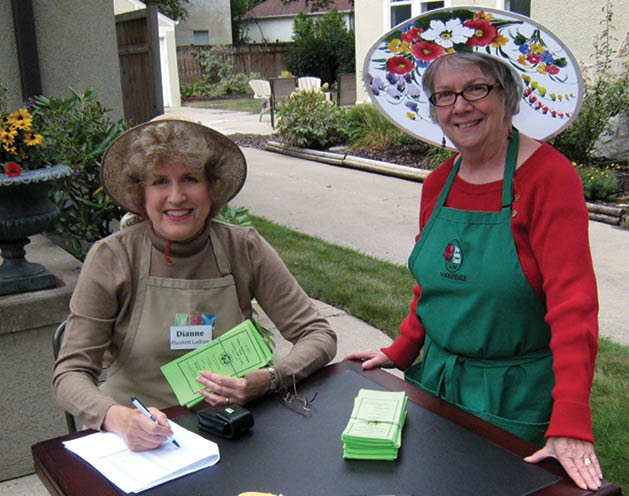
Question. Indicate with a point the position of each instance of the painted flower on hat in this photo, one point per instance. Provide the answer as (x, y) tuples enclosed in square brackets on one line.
[(447, 33)]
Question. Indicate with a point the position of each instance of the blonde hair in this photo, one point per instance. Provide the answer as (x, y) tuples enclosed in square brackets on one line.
[(173, 141)]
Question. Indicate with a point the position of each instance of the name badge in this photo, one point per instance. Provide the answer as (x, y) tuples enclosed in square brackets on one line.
[(190, 337)]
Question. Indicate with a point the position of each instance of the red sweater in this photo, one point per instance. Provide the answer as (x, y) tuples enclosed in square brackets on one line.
[(550, 229)]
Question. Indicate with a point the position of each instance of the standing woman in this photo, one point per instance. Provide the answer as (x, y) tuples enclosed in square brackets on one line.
[(505, 305), (179, 263)]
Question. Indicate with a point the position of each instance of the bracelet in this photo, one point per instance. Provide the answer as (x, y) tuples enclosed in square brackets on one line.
[(273, 385)]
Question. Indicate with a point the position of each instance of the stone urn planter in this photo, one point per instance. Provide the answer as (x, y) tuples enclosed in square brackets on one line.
[(26, 210)]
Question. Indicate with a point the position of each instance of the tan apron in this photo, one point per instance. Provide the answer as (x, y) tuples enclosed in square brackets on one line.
[(136, 371)]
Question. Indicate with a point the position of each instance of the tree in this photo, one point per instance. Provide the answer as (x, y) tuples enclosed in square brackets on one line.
[(174, 9), (239, 25), (321, 47)]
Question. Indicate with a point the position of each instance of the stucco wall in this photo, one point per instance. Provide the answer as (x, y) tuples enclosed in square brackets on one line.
[(77, 48), (206, 15), (9, 70)]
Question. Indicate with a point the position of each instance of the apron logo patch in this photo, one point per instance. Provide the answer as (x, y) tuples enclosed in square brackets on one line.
[(453, 255)]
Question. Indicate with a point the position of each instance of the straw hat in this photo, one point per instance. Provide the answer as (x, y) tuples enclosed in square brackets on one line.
[(394, 65), (116, 158)]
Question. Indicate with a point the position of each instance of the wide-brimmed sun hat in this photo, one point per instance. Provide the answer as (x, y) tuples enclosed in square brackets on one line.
[(227, 156), (394, 65)]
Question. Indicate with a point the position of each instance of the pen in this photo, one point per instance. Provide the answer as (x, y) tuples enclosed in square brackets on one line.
[(138, 404)]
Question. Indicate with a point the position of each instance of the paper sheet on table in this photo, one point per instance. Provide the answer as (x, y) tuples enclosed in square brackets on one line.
[(374, 430), (237, 352), (136, 471)]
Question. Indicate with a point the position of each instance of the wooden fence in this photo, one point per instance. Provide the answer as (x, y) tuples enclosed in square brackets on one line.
[(267, 59)]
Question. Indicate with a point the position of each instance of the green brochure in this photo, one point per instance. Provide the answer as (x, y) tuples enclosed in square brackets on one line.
[(235, 353), (374, 430)]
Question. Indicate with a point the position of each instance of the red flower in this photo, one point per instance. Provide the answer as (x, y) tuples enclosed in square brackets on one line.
[(13, 169), (412, 34), (426, 51), (449, 251), (533, 58), (552, 69), (484, 32), (400, 65)]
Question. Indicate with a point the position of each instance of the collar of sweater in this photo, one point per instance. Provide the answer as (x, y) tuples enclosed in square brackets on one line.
[(180, 249)]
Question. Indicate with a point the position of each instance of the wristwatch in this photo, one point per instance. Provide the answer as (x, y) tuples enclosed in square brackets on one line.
[(273, 374)]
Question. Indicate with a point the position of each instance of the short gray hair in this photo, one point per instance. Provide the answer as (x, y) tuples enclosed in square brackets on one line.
[(510, 81)]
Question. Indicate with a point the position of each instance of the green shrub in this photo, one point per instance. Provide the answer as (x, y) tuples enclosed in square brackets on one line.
[(218, 78), (77, 130), (368, 128), (309, 121), (321, 47), (598, 183)]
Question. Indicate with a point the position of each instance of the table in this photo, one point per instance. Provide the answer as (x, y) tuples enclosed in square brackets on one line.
[(444, 451)]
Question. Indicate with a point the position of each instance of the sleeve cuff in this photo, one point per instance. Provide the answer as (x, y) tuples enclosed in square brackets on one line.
[(571, 420)]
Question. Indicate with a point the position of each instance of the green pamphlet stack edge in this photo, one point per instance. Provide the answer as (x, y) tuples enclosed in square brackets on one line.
[(374, 430)]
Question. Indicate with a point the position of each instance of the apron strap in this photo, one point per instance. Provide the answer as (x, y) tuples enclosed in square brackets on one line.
[(222, 262), (510, 163)]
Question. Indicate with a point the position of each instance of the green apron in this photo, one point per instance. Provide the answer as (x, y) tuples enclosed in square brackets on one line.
[(487, 344)]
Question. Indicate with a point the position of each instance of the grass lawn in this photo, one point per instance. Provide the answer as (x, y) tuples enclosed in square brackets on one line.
[(379, 293), (244, 103)]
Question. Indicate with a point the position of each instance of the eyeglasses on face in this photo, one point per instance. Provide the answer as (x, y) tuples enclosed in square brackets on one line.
[(472, 93)]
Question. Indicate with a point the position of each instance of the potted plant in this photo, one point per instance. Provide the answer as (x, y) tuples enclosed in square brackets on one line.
[(25, 209)]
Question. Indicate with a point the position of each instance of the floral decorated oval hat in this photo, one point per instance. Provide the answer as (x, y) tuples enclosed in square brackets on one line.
[(394, 65)]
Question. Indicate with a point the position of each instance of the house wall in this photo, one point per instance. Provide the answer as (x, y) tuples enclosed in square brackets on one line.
[(278, 29), (270, 30), (206, 15), (77, 47), (576, 23)]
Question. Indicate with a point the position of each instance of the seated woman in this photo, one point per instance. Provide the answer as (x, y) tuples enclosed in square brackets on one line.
[(176, 175)]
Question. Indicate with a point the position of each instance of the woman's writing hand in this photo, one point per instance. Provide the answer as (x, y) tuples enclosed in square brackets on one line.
[(240, 390), (371, 359), (576, 457), (139, 432)]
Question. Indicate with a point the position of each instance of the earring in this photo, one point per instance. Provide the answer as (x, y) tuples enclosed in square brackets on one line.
[(510, 134), (443, 142)]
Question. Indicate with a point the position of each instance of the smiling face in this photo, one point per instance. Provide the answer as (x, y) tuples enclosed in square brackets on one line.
[(177, 201), (481, 123)]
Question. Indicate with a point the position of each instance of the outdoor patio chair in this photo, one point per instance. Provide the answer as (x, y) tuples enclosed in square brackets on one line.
[(57, 338), (309, 83), (346, 89), (261, 91)]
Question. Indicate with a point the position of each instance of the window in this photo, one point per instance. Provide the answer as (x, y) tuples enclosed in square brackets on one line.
[(426, 6), (201, 37), (519, 6), (402, 10)]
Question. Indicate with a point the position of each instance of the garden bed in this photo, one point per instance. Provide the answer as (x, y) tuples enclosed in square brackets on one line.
[(408, 155)]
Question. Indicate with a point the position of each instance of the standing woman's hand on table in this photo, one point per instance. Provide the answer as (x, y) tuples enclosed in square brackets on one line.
[(577, 457), (371, 359)]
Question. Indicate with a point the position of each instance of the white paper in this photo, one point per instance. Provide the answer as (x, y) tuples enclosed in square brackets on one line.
[(136, 471)]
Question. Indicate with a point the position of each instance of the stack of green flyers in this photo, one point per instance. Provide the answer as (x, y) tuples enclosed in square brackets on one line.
[(237, 352), (374, 430)]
